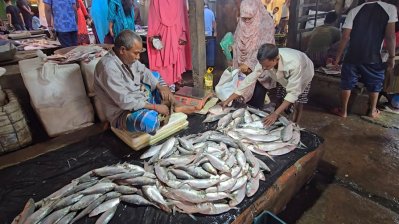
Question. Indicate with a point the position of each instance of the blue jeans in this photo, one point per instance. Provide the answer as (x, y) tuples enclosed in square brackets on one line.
[(68, 39), (210, 51)]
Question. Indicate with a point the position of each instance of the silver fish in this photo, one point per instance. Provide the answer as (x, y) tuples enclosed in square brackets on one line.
[(217, 163), (128, 175), (251, 159), (224, 121), (186, 144), (112, 195), (167, 147), (41, 213), (255, 117), (238, 113), (126, 189), (161, 173), (105, 206), (263, 165), (181, 174), (287, 132), (212, 118), (67, 219), (84, 202), (89, 208), (218, 109), (107, 216), (240, 181), (71, 199), (140, 181), (238, 196), (217, 209), (56, 216), (136, 200), (108, 171), (252, 186), (283, 150), (100, 188), (247, 117), (257, 112), (209, 168), (202, 183), (28, 210), (152, 193), (151, 152)]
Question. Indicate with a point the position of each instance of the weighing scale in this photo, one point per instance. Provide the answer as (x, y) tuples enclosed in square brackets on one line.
[(193, 96)]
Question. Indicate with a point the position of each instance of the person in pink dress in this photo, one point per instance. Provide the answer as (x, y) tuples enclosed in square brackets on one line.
[(169, 39), (83, 19)]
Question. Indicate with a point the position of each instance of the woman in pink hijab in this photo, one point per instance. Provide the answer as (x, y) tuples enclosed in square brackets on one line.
[(169, 39), (255, 27)]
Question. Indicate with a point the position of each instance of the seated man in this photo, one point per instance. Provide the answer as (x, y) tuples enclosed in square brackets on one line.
[(130, 93), (323, 40)]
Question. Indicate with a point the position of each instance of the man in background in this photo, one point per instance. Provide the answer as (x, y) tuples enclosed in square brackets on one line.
[(27, 13), (365, 28), (210, 35), (63, 14)]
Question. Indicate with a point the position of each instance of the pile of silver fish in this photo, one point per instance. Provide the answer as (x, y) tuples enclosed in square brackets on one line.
[(208, 173), (245, 125)]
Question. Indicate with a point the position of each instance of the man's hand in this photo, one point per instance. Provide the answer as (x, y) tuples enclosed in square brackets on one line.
[(182, 42), (111, 33), (162, 109), (269, 120), (390, 63), (245, 69), (165, 92), (225, 103)]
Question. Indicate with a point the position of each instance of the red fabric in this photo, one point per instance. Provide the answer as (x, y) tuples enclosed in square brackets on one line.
[(169, 20), (83, 34)]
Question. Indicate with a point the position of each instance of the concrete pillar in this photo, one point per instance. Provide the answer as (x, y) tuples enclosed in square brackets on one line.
[(197, 34)]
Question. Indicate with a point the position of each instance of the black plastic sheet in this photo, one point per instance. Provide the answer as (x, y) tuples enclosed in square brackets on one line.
[(41, 176)]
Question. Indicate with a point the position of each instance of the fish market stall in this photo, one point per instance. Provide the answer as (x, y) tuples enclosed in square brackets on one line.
[(267, 182)]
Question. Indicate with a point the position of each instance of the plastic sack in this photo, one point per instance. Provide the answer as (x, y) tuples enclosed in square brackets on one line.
[(227, 84)]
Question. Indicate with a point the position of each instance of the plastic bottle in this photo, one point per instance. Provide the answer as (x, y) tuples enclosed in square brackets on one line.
[(208, 80)]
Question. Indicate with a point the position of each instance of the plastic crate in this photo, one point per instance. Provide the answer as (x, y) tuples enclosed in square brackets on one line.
[(268, 218)]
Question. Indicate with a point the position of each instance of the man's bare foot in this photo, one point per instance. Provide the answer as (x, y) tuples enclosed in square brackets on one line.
[(339, 112), (185, 109), (375, 114)]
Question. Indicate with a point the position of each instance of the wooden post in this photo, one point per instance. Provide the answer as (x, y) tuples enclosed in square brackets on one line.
[(197, 34), (292, 36)]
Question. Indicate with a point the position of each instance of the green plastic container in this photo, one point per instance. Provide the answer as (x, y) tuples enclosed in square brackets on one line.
[(268, 218)]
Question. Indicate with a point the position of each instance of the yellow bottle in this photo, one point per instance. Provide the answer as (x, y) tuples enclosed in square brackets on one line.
[(208, 80)]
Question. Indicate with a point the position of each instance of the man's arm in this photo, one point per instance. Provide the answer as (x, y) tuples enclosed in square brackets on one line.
[(22, 19), (9, 19), (390, 40), (342, 44)]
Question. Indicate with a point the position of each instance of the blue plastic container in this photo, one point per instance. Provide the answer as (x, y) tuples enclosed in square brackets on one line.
[(267, 218)]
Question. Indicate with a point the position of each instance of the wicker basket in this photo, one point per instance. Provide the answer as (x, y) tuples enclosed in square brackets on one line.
[(14, 130)]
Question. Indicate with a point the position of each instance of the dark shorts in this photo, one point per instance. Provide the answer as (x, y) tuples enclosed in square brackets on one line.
[(68, 39), (372, 75), (303, 98), (210, 51)]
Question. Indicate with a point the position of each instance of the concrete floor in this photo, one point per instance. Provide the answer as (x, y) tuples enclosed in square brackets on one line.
[(357, 180)]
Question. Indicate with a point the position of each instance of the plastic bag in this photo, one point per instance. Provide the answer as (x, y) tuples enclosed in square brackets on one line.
[(227, 84)]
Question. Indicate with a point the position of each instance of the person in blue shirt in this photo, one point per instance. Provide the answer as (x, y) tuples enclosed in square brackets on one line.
[(63, 13), (210, 35)]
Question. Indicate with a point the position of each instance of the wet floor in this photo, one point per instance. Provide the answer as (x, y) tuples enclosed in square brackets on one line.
[(357, 180)]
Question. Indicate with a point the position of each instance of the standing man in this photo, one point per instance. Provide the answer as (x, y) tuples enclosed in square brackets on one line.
[(210, 35), (365, 34), (63, 14), (26, 13)]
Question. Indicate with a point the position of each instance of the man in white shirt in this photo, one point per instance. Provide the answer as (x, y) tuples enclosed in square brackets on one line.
[(293, 71)]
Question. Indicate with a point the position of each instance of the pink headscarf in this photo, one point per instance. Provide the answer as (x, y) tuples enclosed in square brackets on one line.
[(251, 34)]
